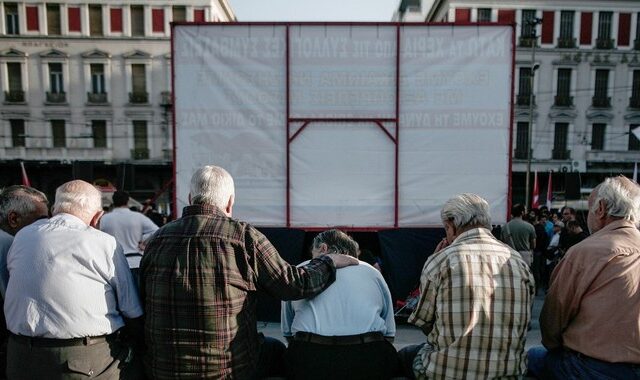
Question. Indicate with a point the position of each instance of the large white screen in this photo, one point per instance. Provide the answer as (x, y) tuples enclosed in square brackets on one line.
[(453, 117)]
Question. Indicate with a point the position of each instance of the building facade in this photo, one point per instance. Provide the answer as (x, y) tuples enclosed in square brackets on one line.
[(86, 90), (585, 87)]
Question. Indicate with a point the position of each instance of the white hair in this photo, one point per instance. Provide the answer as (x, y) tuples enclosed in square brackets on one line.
[(621, 197), (78, 198), (466, 210), (211, 185)]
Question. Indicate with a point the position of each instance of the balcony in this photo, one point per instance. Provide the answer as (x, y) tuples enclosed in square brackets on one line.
[(560, 154), (56, 97), (634, 102), (140, 154), (139, 97), (601, 102), (523, 100), (165, 98), (14, 96), (604, 43), (567, 43), (96, 98), (528, 42), (563, 101)]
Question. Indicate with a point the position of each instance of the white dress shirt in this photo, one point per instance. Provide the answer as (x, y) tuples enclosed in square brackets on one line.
[(5, 243), (129, 228), (358, 302), (67, 280)]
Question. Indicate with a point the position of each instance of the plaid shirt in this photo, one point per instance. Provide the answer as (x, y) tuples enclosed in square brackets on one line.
[(475, 308), (198, 280)]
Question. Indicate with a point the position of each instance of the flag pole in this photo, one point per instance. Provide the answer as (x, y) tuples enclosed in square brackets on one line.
[(25, 178)]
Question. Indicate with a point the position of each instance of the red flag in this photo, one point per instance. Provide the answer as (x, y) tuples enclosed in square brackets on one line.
[(536, 192), (549, 192), (25, 178)]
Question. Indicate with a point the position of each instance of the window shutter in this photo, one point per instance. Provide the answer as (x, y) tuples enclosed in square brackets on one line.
[(586, 25), (74, 19), (624, 29), (116, 20), (33, 24)]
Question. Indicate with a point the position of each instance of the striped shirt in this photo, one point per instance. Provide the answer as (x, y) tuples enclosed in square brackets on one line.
[(475, 308), (199, 277)]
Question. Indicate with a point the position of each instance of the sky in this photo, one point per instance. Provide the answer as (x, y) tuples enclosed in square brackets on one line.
[(314, 10)]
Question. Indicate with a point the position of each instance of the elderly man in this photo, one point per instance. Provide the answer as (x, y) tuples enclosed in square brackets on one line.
[(19, 207), (70, 291), (590, 321), (199, 277), (346, 331), (475, 303)]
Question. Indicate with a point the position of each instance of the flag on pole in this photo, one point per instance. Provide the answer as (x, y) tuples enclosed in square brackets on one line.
[(549, 192), (635, 172), (536, 191), (25, 178)]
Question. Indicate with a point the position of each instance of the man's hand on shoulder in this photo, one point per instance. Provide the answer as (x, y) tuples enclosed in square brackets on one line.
[(341, 261)]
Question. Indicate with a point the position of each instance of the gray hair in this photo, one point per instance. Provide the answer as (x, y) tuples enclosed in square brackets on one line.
[(20, 199), (78, 198), (621, 197), (337, 242), (465, 210), (211, 185)]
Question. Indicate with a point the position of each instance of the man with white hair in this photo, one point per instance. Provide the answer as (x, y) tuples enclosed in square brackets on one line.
[(198, 281), (70, 291), (475, 302), (590, 321)]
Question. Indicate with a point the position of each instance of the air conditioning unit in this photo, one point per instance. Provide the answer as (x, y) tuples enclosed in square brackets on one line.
[(579, 166)]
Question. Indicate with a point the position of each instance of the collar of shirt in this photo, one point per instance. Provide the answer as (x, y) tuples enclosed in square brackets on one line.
[(202, 209), (68, 220), (471, 234), (614, 226)]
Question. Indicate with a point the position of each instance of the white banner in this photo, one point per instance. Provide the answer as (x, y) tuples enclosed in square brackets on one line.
[(231, 110)]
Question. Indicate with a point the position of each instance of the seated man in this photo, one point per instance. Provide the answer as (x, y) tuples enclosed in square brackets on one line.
[(475, 304), (346, 331), (590, 320)]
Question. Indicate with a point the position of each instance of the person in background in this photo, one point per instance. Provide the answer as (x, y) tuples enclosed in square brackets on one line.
[(590, 320), (519, 234), (575, 234), (347, 330)]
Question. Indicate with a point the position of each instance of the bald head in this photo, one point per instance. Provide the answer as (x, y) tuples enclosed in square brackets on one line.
[(79, 198)]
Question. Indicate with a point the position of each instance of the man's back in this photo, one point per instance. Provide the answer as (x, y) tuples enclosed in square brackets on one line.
[(128, 227), (520, 232), (476, 308)]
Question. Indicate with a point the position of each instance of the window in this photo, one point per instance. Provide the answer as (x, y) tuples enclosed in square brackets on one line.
[(116, 20), (95, 20), (566, 24), (137, 20), (99, 133), (560, 141), (56, 84), (140, 145), (563, 96), (604, 25), (524, 86), (14, 70), (97, 78), (58, 133), (18, 137), (75, 25), (600, 96), (11, 18), (522, 140), (634, 143), (198, 15), (635, 90), (484, 14), (637, 41), (53, 19), (597, 136), (138, 84), (157, 20), (33, 21), (179, 13), (526, 29)]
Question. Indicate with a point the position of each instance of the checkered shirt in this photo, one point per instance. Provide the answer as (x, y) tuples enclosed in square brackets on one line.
[(475, 308)]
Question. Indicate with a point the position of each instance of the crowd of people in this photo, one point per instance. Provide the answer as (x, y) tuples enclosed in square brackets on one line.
[(114, 296)]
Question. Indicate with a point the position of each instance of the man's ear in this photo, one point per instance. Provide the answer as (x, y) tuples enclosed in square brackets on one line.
[(95, 220), (229, 209), (601, 211), (13, 220)]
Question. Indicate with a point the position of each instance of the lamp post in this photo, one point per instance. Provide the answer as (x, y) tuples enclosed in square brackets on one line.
[(534, 37)]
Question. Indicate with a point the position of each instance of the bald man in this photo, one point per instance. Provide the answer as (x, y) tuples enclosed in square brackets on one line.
[(70, 291)]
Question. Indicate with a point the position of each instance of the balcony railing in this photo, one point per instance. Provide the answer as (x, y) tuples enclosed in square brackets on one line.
[(634, 102), (56, 97), (139, 97), (140, 154), (563, 101), (523, 100), (165, 98), (527, 42), (560, 154), (601, 102), (14, 96), (96, 98), (521, 154), (567, 43), (604, 43)]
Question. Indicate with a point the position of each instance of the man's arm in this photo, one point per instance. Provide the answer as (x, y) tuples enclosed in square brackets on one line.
[(287, 314)]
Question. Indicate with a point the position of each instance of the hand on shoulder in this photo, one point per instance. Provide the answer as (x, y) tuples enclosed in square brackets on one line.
[(341, 261)]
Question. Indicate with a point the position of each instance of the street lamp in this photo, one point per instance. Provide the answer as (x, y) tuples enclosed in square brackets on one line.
[(534, 39)]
